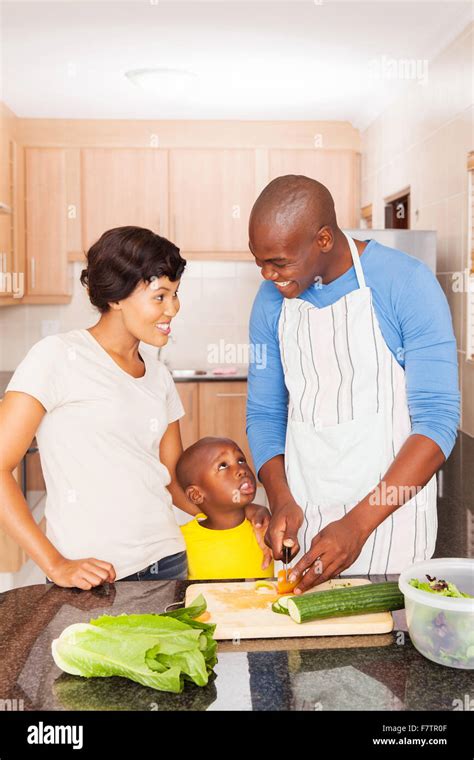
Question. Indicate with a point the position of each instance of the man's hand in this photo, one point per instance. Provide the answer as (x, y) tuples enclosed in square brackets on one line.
[(260, 518), (333, 550), (284, 525)]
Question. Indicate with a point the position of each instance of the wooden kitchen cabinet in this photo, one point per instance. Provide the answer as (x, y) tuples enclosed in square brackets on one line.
[(189, 424), (6, 253), (215, 408), (124, 187), (46, 197), (211, 196), (222, 412), (337, 169)]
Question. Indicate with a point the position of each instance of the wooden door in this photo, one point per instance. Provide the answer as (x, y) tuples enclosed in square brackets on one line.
[(46, 221), (211, 195), (124, 187), (337, 169)]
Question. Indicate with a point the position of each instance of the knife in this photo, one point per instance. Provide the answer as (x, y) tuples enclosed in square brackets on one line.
[(286, 559)]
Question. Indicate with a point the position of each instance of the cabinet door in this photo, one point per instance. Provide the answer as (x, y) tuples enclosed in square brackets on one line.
[(189, 424), (6, 257), (337, 169), (6, 214), (211, 195), (124, 187), (222, 412), (46, 221)]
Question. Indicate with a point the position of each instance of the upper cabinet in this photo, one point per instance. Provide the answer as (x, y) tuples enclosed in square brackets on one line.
[(7, 263), (337, 169), (6, 253), (46, 221), (124, 187), (58, 201), (211, 194)]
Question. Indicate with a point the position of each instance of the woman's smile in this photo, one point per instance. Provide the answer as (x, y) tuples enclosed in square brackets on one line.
[(164, 327)]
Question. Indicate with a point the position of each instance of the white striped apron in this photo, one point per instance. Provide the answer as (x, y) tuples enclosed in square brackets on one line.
[(347, 419)]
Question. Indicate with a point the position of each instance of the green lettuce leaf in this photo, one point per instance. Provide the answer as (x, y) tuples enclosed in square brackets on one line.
[(159, 651)]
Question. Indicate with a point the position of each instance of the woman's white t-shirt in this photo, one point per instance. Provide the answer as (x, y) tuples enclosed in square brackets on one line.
[(99, 448)]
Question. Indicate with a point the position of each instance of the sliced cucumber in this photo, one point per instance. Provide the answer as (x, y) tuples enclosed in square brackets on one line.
[(283, 602), (276, 607)]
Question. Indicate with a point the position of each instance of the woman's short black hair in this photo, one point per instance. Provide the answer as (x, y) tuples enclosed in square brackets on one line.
[(122, 258)]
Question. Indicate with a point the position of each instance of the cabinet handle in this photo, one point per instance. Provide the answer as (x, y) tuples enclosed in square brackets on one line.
[(231, 395), (33, 272)]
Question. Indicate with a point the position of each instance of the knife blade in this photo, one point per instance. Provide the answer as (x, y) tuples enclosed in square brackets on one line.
[(286, 558)]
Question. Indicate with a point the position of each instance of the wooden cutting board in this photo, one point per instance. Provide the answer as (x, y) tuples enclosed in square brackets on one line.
[(241, 613)]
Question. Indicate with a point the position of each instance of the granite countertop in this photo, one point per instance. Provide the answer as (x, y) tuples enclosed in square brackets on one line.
[(367, 672)]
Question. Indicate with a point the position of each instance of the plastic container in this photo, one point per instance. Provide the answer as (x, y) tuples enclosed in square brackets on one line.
[(441, 627)]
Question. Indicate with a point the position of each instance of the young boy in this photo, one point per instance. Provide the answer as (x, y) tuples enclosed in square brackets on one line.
[(220, 541)]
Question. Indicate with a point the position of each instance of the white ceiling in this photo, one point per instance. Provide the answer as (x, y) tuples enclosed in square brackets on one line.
[(253, 60)]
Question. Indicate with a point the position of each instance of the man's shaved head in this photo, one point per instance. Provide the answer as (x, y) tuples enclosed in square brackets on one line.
[(293, 232), (294, 201)]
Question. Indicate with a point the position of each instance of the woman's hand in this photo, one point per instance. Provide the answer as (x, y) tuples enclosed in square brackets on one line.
[(82, 573), (260, 518), (333, 550)]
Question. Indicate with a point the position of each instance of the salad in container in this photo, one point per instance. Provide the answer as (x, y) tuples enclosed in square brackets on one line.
[(439, 605)]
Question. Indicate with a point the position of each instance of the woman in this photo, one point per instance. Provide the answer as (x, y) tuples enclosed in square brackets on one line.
[(106, 422)]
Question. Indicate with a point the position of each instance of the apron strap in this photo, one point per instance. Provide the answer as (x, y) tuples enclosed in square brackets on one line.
[(356, 261)]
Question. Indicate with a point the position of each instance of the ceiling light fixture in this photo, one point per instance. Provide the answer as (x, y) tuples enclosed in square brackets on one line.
[(162, 81)]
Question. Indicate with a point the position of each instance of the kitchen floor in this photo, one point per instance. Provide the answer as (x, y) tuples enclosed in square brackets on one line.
[(455, 514)]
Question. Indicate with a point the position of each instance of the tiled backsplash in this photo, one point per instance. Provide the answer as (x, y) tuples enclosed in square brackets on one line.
[(216, 299)]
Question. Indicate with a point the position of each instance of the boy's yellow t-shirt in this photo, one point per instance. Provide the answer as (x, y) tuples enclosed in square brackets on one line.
[(231, 553)]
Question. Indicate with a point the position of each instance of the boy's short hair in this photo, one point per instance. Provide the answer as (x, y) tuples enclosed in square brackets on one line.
[(190, 462)]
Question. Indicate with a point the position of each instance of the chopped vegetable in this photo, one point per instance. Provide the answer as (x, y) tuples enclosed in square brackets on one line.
[(276, 607), (159, 651), (440, 587), (447, 637), (281, 605), (284, 586), (340, 602), (265, 587), (283, 601)]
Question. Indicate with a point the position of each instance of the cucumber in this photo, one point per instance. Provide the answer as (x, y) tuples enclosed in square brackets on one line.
[(283, 602), (339, 602), (281, 605)]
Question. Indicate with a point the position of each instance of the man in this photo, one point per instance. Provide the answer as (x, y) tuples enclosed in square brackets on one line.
[(357, 405)]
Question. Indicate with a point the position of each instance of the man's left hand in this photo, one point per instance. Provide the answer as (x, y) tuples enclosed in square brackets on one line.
[(332, 550)]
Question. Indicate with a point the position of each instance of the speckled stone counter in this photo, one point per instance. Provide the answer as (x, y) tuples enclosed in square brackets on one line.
[(378, 672)]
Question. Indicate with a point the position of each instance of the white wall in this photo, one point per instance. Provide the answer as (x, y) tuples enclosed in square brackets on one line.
[(216, 299), (422, 141)]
